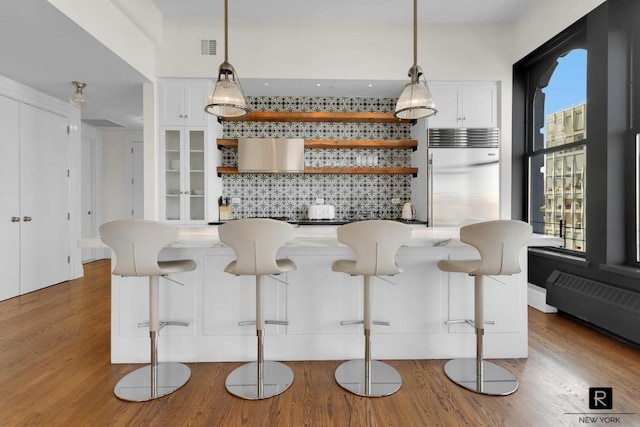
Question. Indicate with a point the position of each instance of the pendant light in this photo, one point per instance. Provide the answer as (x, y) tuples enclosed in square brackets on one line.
[(227, 99), (415, 101), (77, 98)]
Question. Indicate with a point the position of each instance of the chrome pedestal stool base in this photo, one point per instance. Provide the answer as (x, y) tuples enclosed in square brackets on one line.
[(244, 382), (383, 379), (494, 379), (137, 386)]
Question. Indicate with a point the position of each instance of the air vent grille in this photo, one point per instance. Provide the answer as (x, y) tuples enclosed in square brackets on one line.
[(618, 297), (208, 47), (464, 137)]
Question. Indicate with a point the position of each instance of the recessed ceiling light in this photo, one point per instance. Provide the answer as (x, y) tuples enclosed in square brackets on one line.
[(370, 84), (318, 84), (266, 84)]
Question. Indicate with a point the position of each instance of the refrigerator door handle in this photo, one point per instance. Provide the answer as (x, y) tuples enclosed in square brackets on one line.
[(430, 190)]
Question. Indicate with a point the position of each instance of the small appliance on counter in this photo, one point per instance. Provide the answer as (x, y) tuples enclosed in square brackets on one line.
[(224, 208), (408, 212), (321, 212)]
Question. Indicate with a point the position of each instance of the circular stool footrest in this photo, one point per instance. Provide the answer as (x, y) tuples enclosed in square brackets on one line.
[(136, 386), (496, 380), (243, 381), (384, 381)]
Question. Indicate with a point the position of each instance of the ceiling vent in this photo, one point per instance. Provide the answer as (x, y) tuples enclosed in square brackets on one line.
[(101, 123), (208, 47)]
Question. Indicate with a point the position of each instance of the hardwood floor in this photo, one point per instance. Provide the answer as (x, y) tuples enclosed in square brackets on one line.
[(55, 371)]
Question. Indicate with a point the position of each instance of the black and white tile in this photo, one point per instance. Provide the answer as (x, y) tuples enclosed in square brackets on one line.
[(290, 194)]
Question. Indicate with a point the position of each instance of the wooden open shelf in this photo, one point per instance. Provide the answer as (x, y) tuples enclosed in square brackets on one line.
[(339, 170), (318, 116), (340, 143)]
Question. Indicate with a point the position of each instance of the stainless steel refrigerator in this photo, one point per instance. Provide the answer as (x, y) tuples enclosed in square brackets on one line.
[(463, 176)]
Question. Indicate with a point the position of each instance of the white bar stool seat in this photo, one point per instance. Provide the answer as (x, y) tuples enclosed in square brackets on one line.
[(137, 244), (499, 244), (256, 242), (375, 243)]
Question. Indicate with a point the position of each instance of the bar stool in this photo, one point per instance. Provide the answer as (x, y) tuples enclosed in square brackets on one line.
[(499, 244), (137, 244), (375, 243), (256, 242)]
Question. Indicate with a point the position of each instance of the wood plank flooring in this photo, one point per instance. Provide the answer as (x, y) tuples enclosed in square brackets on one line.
[(55, 371)]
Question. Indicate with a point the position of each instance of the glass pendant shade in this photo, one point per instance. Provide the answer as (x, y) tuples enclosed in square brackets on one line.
[(77, 98), (227, 99), (415, 101)]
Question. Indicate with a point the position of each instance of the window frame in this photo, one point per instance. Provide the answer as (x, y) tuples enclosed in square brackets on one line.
[(539, 70)]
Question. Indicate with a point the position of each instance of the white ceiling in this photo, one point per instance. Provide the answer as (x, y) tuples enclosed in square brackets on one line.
[(350, 10), (43, 49)]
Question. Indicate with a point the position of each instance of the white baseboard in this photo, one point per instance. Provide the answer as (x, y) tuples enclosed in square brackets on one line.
[(537, 298)]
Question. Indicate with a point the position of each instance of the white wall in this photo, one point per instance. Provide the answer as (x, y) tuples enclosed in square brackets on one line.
[(356, 50)]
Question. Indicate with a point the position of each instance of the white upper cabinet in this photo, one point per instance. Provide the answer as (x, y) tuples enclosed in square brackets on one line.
[(182, 102), (464, 104), (184, 157)]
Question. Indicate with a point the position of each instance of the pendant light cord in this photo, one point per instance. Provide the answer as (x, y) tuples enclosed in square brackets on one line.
[(415, 32), (226, 32)]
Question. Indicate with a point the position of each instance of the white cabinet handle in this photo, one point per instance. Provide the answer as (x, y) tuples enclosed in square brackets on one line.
[(15, 219), (27, 219)]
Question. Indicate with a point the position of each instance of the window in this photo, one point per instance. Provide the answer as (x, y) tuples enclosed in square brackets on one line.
[(557, 150), (637, 195), (579, 162)]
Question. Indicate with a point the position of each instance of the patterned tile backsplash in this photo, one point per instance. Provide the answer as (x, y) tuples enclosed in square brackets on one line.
[(289, 195)]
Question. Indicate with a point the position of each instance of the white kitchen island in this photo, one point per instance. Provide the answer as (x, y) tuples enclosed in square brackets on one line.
[(314, 302)]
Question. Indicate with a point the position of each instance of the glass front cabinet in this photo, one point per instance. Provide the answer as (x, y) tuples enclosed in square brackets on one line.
[(183, 159)]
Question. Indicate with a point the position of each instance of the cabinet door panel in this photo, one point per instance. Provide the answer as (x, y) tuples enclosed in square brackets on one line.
[(231, 299), (172, 160), (177, 303), (478, 102), (323, 298), (196, 97), (172, 103), (196, 174), (410, 306), (445, 97), (497, 289), (44, 198), (10, 206)]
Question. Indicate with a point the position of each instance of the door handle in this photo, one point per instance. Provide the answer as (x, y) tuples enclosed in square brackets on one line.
[(15, 219), (27, 219)]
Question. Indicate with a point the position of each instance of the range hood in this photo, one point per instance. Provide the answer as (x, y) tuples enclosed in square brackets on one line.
[(273, 155)]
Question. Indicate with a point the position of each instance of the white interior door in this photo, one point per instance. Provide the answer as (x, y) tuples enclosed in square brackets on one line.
[(10, 206), (89, 227), (44, 199)]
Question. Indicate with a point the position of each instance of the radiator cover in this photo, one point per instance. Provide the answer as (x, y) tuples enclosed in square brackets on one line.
[(611, 308)]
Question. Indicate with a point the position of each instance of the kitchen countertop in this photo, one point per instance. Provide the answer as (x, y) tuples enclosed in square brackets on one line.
[(325, 236), (337, 221)]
